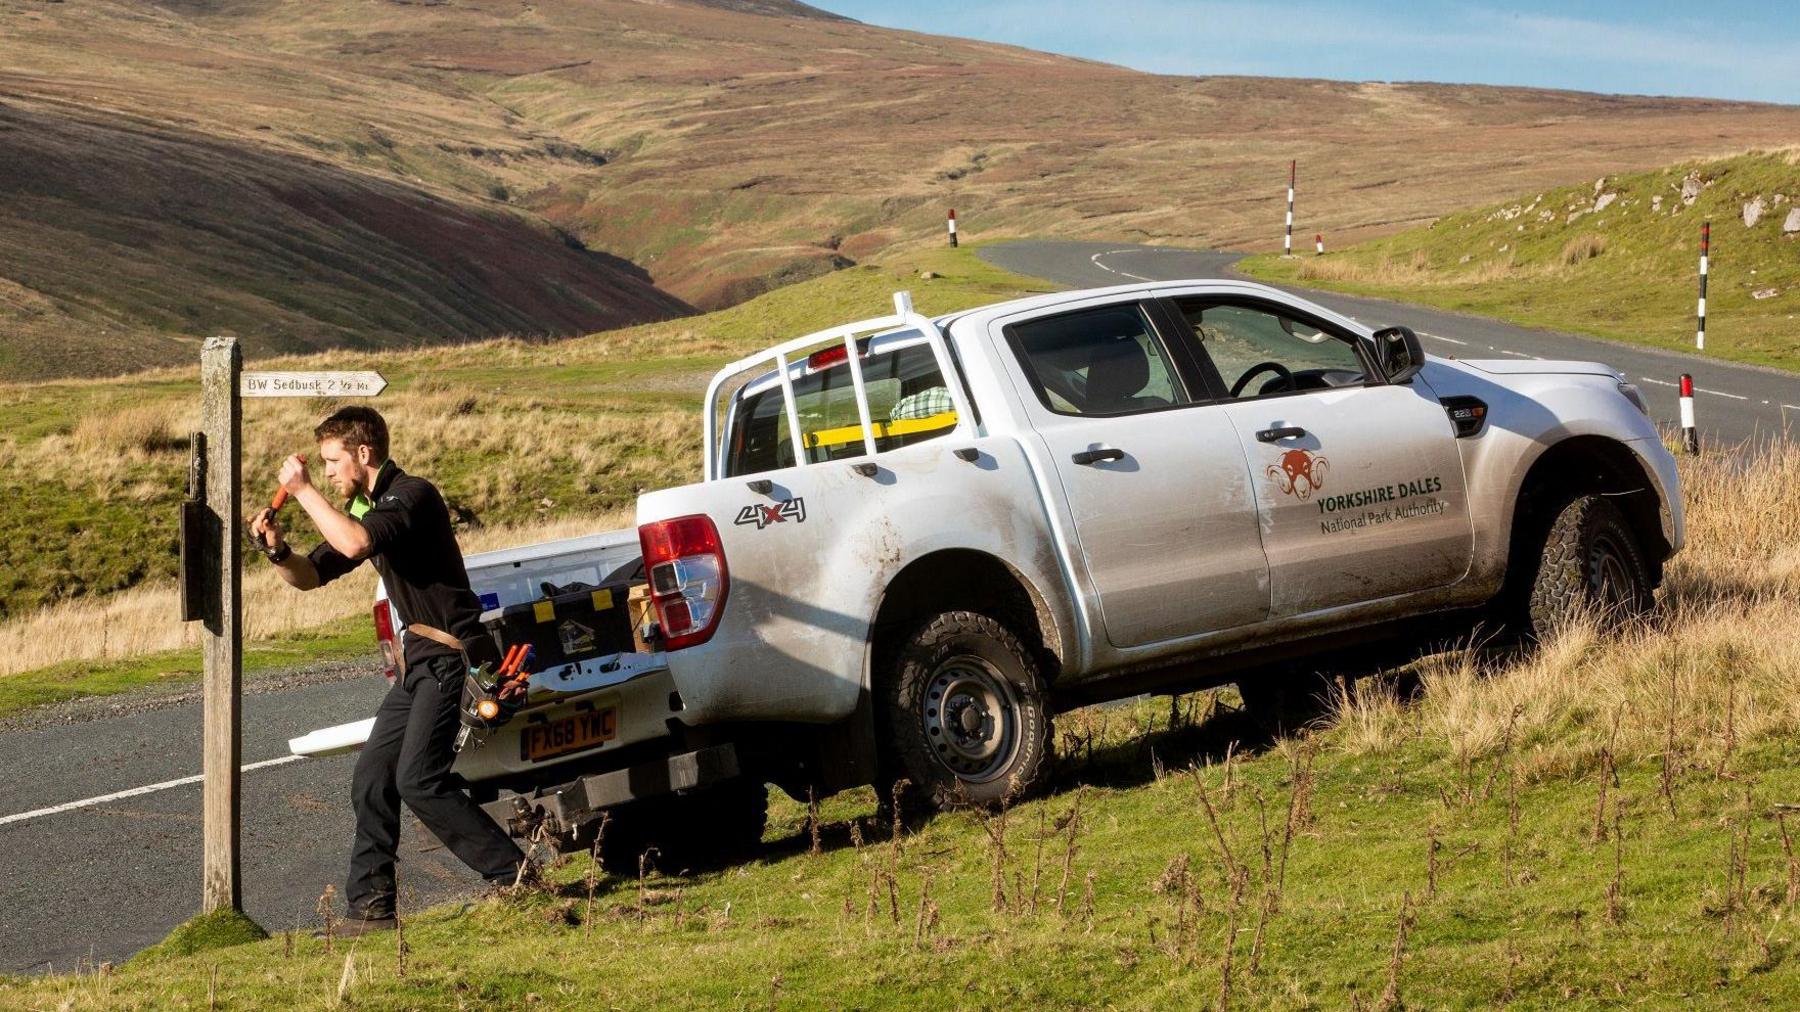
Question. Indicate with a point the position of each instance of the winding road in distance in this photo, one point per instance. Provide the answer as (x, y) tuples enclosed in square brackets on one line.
[(1732, 403)]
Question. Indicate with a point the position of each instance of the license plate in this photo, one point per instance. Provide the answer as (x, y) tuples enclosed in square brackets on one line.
[(568, 734)]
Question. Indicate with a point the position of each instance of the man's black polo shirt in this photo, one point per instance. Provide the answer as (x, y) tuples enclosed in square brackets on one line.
[(415, 552)]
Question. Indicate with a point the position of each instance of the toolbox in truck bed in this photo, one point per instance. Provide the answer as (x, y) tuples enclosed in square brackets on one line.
[(566, 627)]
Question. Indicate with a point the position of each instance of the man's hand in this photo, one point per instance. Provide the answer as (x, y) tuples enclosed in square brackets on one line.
[(265, 527), (293, 476)]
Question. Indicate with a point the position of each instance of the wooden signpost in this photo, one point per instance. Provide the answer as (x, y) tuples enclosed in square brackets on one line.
[(212, 567)]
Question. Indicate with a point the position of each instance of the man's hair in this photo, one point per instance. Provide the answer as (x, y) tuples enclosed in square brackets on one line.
[(354, 427)]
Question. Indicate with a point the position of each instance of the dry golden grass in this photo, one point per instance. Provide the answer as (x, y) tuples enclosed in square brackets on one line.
[(142, 621), (1721, 651), (1583, 247), (1416, 271)]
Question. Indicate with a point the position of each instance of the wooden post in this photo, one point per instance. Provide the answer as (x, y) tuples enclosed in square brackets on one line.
[(222, 644)]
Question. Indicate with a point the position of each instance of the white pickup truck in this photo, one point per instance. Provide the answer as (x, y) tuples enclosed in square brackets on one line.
[(917, 539)]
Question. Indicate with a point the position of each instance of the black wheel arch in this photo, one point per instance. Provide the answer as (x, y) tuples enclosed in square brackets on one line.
[(961, 579), (1585, 465)]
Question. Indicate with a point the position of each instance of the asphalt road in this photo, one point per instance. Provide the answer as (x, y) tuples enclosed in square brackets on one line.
[(100, 882), (1732, 403)]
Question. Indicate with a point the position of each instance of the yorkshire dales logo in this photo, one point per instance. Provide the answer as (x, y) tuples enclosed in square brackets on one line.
[(1299, 473), (762, 515)]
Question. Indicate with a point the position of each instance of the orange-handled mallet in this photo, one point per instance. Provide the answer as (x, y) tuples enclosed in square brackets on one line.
[(281, 494)]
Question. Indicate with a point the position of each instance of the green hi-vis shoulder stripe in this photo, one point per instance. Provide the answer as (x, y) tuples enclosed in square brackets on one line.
[(360, 505)]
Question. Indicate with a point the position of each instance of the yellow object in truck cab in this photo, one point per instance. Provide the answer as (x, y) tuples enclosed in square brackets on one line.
[(881, 430)]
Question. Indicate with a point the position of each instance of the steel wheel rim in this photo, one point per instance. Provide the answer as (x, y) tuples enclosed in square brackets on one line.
[(971, 718)]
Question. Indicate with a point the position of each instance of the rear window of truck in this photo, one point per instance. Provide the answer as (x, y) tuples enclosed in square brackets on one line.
[(908, 403)]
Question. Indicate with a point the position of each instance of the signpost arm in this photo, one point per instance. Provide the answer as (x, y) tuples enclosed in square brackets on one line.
[(222, 645)]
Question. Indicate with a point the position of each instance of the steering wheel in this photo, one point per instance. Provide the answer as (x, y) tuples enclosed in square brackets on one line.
[(1262, 367)]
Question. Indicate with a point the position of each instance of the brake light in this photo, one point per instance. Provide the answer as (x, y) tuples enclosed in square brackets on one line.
[(384, 636), (688, 580), (825, 358)]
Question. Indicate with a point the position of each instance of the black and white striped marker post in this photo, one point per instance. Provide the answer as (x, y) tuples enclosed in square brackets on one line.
[(1705, 244), (1287, 243), (1319, 243), (951, 224), (1690, 436)]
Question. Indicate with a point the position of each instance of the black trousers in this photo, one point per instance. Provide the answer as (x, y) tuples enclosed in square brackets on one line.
[(408, 758)]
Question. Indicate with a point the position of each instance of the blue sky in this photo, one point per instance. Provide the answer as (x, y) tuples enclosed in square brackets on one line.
[(1729, 49)]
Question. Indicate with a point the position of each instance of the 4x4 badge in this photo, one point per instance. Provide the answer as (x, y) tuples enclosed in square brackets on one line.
[(764, 514)]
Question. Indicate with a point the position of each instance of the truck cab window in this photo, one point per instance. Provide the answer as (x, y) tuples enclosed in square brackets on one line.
[(1103, 361), (909, 402), (1263, 353)]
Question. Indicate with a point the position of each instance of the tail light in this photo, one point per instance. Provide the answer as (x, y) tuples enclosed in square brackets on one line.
[(384, 635), (686, 564)]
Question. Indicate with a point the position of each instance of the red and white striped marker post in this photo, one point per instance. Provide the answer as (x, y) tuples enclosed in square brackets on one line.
[(1319, 244), (1287, 242), (1690, 436), (951, 225), (1705, 249)]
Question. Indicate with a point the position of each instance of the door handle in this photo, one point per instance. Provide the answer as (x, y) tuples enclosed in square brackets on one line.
[(1096, 456), (1284, 432)]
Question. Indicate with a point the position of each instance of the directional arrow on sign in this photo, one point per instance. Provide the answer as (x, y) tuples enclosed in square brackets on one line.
[(311, 384)]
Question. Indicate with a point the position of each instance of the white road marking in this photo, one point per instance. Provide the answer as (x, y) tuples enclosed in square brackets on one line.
[(138, 791), (1440, 337), (1515, 354), (1701, 390), (1095, 260)]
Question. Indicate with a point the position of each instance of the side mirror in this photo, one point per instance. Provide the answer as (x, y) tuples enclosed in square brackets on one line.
[(1398, 353)]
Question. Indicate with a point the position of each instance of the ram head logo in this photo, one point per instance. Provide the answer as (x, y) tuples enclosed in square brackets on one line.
[(1299, 473)]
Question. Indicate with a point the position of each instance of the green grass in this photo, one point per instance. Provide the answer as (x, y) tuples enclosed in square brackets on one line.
[(1626, 273), (77, 679), (1517, 916), (203, 933)]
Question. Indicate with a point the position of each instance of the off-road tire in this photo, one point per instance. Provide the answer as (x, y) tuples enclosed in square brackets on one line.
[(962, 706), (1591, 564), (700, 829)]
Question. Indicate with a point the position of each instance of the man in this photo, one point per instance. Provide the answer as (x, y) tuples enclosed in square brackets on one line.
[(401, 523)]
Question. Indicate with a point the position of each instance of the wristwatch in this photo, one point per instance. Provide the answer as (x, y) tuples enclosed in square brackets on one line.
[(280, 555)]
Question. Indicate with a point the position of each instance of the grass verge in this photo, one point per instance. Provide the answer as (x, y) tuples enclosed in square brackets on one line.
[(220, 929), (1565, 259), (350, 641)]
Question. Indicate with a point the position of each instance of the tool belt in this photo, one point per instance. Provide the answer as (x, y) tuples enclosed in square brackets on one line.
[(479, 682), (474, 652)]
